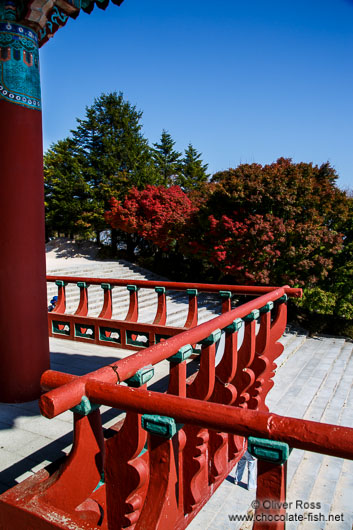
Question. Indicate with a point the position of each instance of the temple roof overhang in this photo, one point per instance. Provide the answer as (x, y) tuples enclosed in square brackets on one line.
[(45, 17)]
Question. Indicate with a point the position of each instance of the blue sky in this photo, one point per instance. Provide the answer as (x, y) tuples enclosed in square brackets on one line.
[(243, 81)]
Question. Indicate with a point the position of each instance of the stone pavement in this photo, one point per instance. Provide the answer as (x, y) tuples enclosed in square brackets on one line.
[(313, 381)]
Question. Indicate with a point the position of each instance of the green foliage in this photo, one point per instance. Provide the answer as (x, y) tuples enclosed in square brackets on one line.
[(67, 195), (115, 155), (193, 171), (302, 192), (317, 300), (166, 160)]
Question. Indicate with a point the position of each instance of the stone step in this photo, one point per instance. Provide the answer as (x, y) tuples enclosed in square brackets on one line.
[(291, 342), (316, 476), (342, 496), (300, 368), (310, 387), (342, 499)]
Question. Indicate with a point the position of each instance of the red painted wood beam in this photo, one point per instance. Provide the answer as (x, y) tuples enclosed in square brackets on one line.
[(322, 438)]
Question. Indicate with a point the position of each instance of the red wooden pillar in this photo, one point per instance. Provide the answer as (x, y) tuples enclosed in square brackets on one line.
[(24, 351)]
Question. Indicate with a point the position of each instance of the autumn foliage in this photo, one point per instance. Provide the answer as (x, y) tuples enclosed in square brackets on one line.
[(274, 224), (156, 213)]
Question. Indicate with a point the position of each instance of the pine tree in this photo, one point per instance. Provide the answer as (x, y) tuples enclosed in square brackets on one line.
[(66, 192), (167, 161), (116, 155), (193, 172)]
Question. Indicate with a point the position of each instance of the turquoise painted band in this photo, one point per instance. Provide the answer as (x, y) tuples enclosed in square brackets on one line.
[(19, 65)]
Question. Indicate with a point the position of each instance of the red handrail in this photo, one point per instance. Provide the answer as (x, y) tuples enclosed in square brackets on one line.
[(308, 435), (177, 286)]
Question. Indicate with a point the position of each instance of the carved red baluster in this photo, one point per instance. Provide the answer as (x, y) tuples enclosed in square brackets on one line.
[(177, 373), (271, 483), (107, 308), (280, 321), (191, 319), (261, 362), (132, 314), (161, 315), (245, 376), (202, 385), (160, 509), (276, 348), (82, 470), (222, 447), (126, 473), (126, 465), (177, 386), (82, 308), (196, 449), (226, 301), (60, 306), (224, 391), (195, 466)]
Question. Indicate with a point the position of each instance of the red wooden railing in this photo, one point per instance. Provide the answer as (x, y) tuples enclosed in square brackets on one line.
[(171, 452), (128, 333)]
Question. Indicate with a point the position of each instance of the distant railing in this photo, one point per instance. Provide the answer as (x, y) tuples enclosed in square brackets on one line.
[(129, 333), (162, 463)]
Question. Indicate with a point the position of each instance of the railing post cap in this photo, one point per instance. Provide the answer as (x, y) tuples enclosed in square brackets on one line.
[(85, 407), (266, 308), (269, 450), (141, 377), (254, 315), (106, 286), (132, 288), (225, 294), (283, 298), (212, 338), (160, 290), (192, 292), (60, 283), (82, 284), (234, 326), (184, 353), (160, 425)]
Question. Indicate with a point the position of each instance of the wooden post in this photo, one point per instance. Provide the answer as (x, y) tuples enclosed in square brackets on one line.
[(24, 350)]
